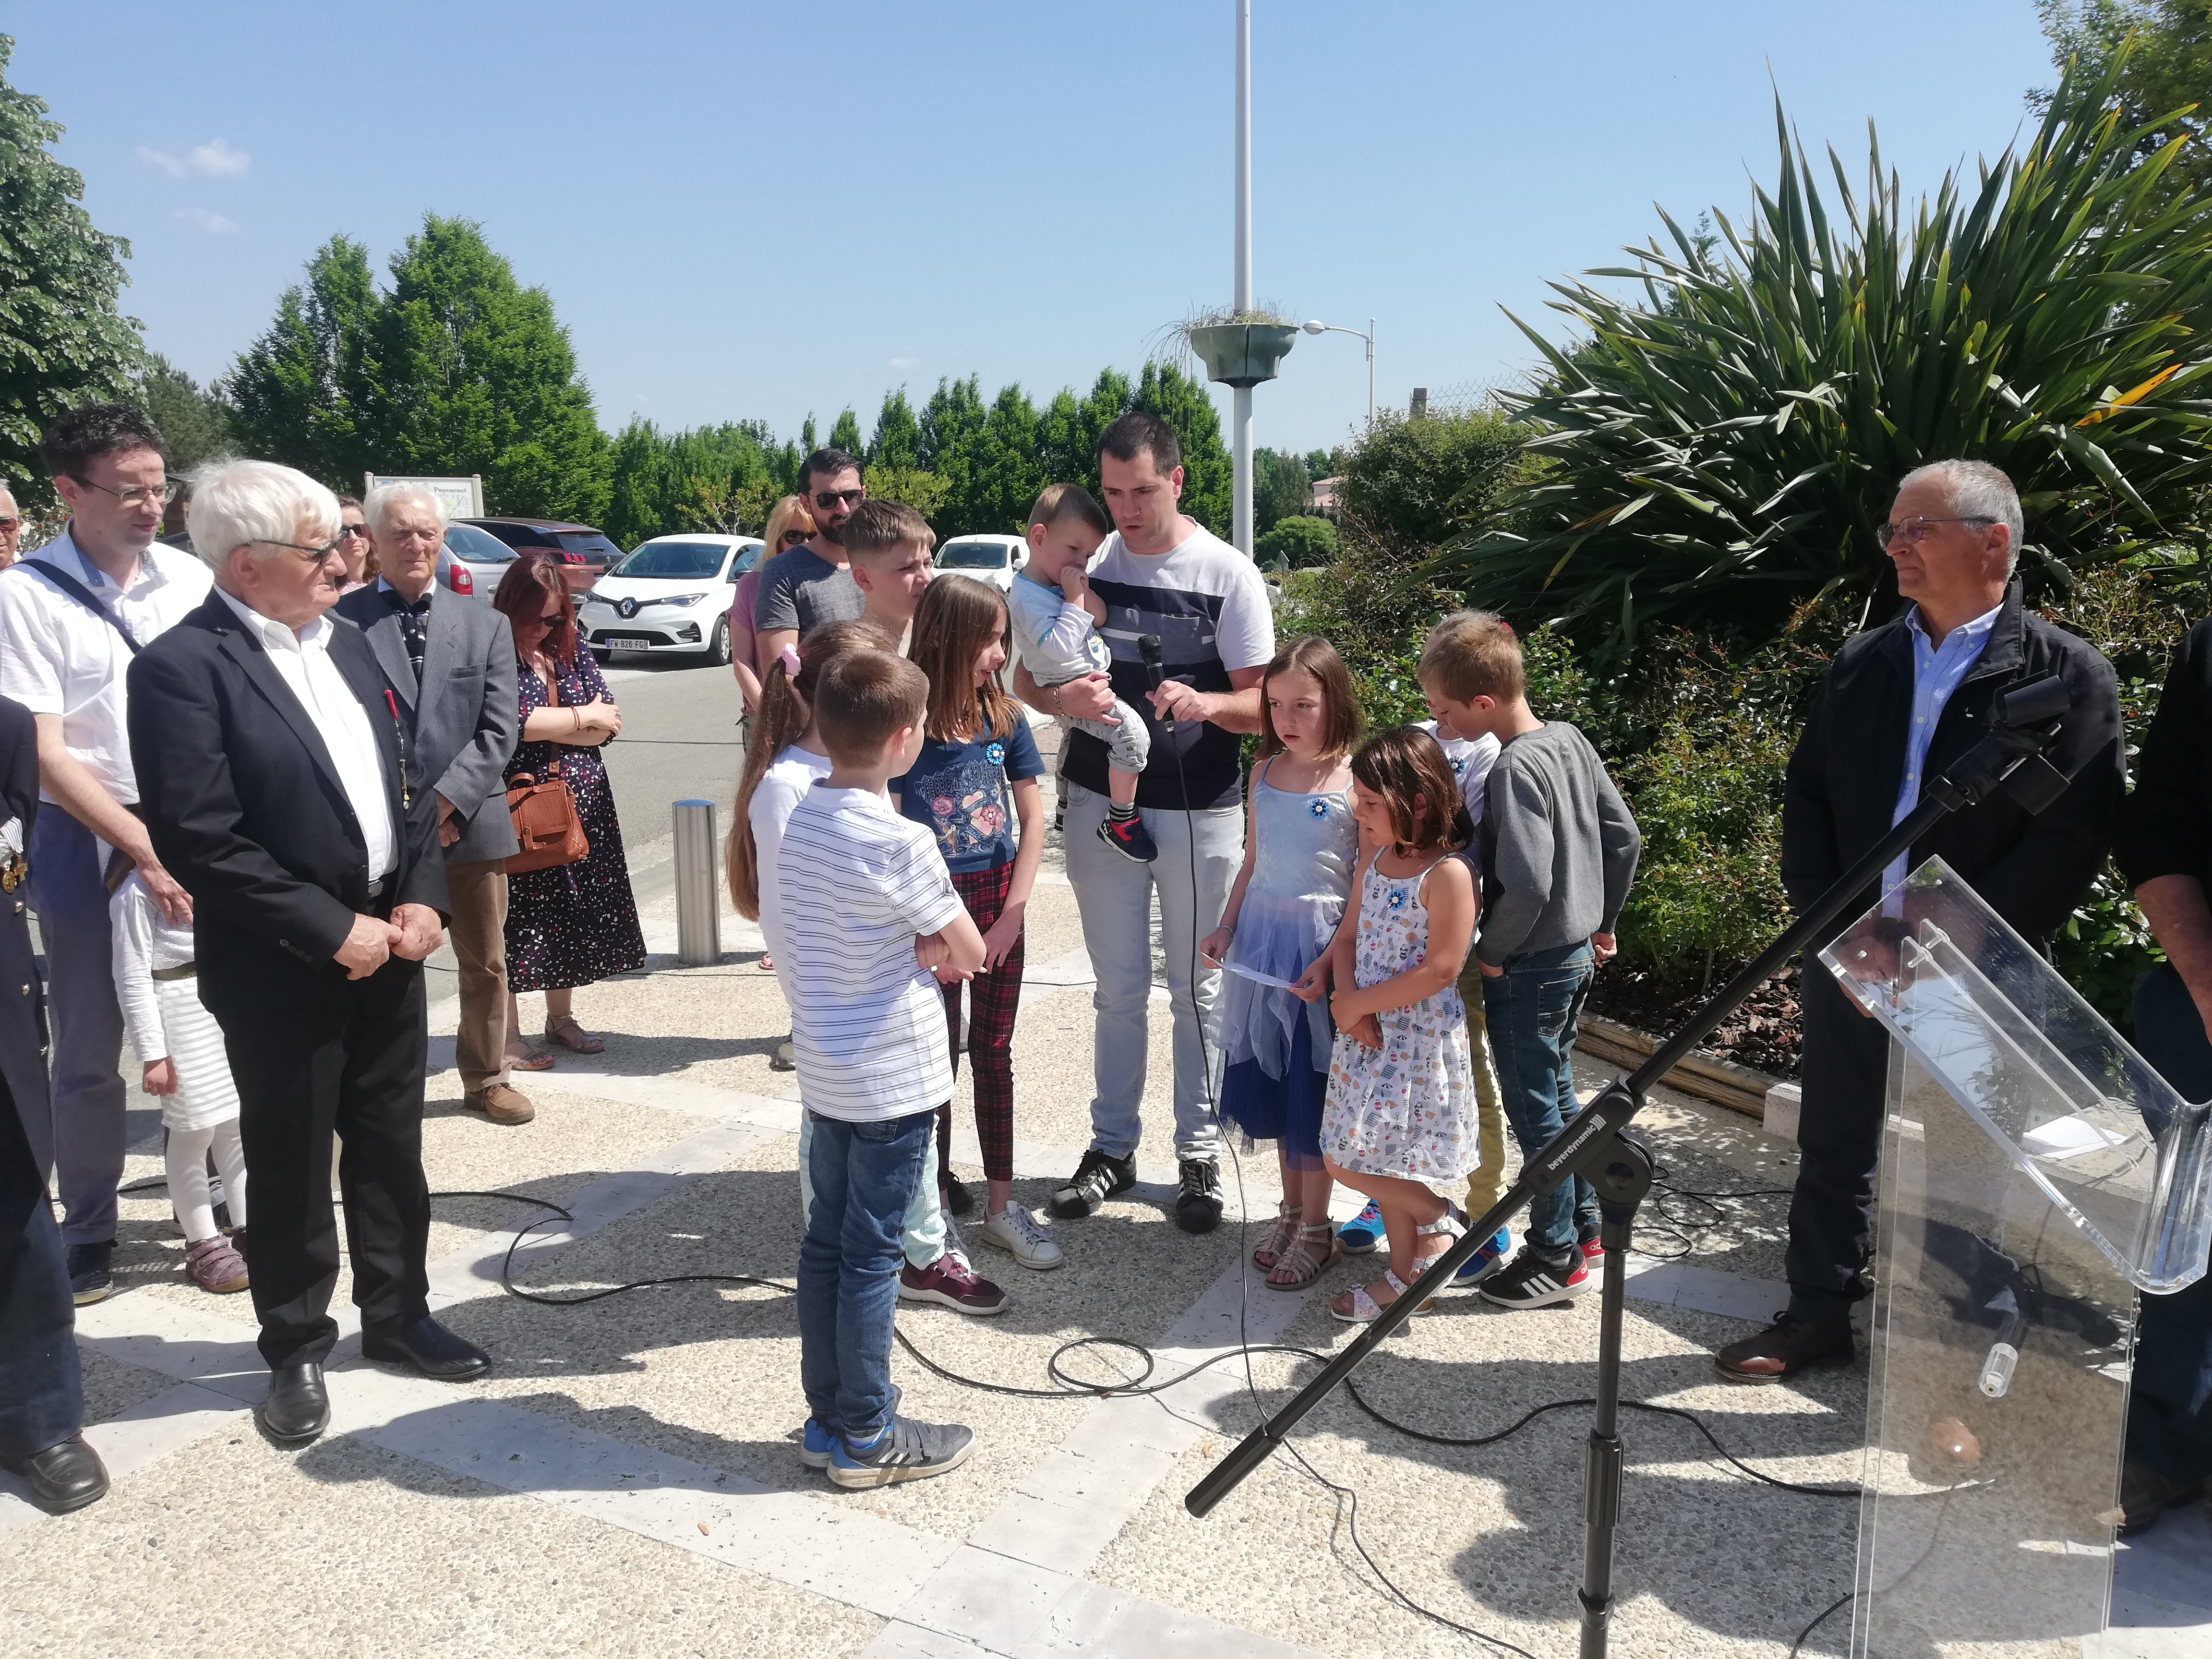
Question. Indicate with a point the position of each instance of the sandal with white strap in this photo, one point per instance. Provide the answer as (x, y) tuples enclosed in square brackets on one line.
[(1362, 1308), (1280, 1236)]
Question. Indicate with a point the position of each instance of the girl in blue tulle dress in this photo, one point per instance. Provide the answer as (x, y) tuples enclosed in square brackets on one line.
[(1300, 844)]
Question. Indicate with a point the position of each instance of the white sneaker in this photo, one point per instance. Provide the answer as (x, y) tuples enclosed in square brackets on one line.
[(1021, 1233)]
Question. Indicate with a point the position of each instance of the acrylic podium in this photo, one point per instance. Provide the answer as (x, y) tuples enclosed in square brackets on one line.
[(2037, 1175)]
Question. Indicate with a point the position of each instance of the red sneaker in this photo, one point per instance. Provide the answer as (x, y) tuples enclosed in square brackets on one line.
[(951, 1281), (1593, 1255)]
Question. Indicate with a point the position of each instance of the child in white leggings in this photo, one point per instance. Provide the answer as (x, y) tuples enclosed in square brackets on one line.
[(181, 1048)]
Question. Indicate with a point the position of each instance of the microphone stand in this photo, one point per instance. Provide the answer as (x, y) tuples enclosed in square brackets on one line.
[(1596, 1146)]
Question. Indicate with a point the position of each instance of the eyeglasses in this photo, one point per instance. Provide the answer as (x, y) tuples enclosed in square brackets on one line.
[(9, 526), (553, 621), (827, 499), (790, 538), (346, 530), (1910, 531), (137, 495), (312, 554)]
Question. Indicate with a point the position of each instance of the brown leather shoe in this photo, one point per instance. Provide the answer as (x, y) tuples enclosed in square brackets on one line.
[(1952, 1446), (2145, 1494), (1784, 1348), (503, 1104)]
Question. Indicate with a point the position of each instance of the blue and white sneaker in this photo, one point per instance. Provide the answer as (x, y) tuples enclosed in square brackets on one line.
[(903, 1450), (817, 1445), (1360, 1235), (1484, 1262)]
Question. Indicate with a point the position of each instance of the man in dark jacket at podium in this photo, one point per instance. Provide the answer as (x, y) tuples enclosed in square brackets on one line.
[(1899, 704), (2165, 848)]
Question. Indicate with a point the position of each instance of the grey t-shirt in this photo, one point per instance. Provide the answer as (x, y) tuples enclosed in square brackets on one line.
[(799, 588)]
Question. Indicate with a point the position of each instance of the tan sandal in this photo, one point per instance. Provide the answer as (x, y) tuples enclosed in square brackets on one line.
[(1304, 1260), (1280, 1238), (563, 1030)]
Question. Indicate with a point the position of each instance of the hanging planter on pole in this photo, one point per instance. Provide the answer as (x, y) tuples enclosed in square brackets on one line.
[(1241, 355)]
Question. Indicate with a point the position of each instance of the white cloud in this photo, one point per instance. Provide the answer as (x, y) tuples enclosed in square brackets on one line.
[(904, 362), (199, 219), (213, 159)]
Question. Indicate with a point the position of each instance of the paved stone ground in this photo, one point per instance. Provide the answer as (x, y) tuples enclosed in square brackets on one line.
[(626, 1478)]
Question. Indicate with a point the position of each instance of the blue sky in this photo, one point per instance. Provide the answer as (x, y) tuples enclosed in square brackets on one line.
[(741, 211)]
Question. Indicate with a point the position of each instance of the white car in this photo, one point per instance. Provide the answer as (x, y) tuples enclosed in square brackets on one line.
[(992, 559), (668, 597), (472, 561)]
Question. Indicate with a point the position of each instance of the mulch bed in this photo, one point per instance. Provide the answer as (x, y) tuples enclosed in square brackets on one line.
[(1762, 1033)]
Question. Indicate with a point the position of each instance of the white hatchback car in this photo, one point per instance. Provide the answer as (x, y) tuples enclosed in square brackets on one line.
[(992, 559), (670, 597)]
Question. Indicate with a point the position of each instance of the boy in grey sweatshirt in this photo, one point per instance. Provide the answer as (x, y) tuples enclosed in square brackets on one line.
[(1559, 853)]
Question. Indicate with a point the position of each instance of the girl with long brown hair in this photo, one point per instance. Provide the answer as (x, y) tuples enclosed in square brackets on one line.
[(975, 778)]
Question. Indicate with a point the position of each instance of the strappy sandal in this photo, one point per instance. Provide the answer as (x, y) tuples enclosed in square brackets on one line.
[(1301, 1262), (530, 1059), (1280, 1236), (563, 1030), (1360, 1309)]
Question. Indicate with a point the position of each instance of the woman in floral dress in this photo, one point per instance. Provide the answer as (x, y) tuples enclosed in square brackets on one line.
[(574, 924)]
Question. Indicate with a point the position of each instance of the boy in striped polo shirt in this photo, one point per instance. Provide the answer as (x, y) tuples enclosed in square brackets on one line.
[(867, 912)]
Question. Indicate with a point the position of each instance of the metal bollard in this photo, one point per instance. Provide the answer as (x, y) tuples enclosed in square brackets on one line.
[(698, 888)]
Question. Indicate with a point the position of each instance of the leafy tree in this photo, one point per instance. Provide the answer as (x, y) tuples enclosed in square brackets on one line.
[(723, 479), (807, 444), (846, 434), (897, 439), (62, 341), (2167, 69), (194, 422), (1007, 475), (1421, 483), (1324, 463), (1280, 488), (473, 375), (1301, 542), (1208, 472), (299, 393), (910, 486), (952, 447), (1724, 459)]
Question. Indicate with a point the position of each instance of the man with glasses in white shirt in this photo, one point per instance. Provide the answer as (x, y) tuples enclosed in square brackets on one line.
[(11, 527), (72, 615)]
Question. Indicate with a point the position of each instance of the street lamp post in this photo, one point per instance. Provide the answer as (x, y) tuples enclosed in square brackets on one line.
[(1240, 397), (1317, 327)]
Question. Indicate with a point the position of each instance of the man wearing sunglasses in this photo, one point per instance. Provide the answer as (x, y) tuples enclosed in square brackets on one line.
[(72, 616), (812, 582), (11, 527), (1900, 703)]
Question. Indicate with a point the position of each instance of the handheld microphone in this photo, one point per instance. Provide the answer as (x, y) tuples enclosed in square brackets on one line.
[(1148, 649)]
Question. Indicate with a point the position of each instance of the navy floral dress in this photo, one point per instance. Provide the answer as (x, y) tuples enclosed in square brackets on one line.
[(577, 923)]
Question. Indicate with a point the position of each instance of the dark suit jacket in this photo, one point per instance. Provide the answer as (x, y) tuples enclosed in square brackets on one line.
[(1849, 764), (465, 717), (243, 806), (22, 997)]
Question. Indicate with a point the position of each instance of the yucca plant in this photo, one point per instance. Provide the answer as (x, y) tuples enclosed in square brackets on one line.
[(1721, 450)]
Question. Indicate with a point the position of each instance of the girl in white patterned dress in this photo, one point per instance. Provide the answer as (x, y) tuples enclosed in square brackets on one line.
[(1400, 1118)]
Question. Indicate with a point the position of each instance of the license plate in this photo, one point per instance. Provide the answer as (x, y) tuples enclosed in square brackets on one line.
[(625, 642)]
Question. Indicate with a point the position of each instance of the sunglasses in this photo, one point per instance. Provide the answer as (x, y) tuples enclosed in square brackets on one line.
[(790, 538), (828, 499), (346, 530), (553, 621), (312, 554)]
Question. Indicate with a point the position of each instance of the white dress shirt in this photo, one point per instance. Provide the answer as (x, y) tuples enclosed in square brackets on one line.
[(304, 661), (57, 658)]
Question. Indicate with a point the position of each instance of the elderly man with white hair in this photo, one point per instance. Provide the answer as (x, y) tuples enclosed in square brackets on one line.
[(273, 768), (452, 662), (1899, 704), (11, 527)]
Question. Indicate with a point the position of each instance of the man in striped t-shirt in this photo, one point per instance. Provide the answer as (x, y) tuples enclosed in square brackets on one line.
[(865, 911)]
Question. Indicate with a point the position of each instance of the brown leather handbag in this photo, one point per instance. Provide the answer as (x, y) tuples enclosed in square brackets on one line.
[(548, 830)]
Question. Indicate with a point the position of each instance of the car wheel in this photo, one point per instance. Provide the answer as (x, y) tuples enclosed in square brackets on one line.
[(718, 649)]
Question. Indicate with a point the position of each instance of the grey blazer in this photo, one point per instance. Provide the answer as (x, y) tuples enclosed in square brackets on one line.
[(463, 720)]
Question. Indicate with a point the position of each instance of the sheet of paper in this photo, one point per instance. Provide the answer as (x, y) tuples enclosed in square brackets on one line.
[(2069, 1137), (1256, 976)]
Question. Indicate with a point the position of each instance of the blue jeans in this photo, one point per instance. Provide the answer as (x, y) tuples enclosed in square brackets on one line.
[(865, 1175), (1531, 1009), (2170, 1409)]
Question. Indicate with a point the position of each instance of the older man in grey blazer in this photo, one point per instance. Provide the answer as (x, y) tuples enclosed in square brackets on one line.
[(450, 661)]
